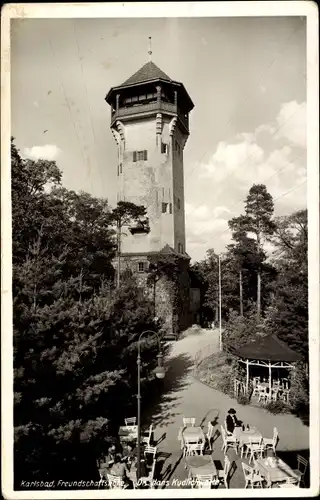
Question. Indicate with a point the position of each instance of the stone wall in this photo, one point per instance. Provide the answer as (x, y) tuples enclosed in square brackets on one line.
[(171, 301)]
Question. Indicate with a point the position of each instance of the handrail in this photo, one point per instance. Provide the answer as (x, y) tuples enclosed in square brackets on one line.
[(149, 107)]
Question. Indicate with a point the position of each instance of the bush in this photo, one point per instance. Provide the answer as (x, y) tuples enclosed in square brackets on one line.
[(225, 385), (276, 407), (243, 399), (240, 330)]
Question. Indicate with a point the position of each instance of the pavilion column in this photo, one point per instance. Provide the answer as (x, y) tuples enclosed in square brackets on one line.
[(270, 385), (247, 381)]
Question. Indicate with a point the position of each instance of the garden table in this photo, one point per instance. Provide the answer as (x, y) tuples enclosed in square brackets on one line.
[(274, 470), (127, 435), (243, 437), (191, 434), (201, 465)]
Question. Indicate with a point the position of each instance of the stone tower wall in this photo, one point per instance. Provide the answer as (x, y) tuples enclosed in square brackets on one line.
[(152, 182)]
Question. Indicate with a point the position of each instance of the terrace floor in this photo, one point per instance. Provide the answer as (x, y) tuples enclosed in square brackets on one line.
[(182, 395)]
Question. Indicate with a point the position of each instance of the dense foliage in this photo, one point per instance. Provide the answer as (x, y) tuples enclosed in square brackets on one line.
[(288, 317), (75, 338), (251, 282)]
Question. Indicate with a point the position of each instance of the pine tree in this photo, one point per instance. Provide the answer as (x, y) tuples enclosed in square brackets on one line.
[(258, 221), (128, 214)]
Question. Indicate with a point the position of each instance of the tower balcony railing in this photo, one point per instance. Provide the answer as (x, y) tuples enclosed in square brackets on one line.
[(150, 107)]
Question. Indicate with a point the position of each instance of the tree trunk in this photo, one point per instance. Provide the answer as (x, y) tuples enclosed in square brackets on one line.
[(258, 282), (259, 293), (240, 291), (217, 310)]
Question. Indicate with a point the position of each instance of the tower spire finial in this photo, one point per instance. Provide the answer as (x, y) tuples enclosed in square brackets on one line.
[(150, 51)]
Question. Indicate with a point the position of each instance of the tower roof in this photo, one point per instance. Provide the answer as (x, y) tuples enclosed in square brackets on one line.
[(148, 72)]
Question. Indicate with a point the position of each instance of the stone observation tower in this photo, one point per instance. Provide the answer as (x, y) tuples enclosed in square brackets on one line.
[(150, 124)]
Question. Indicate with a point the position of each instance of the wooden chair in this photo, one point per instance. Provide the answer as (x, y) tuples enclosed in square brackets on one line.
[(188, 422), (193, 449), (256, 390), (130, 421), (285, 395), (285, 383), (263, 395), (301, 470), (115, 482), (226, 429), (255, 448), (191, 441), (228, 441), (292, 481), (152, 450), (203, 481), (146, 437), (223, 474), (251, 477), (256, 381), (148, 480), (272, 442), (209, 435)]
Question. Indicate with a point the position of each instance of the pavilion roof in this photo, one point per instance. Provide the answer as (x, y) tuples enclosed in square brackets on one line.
[(267, 348)]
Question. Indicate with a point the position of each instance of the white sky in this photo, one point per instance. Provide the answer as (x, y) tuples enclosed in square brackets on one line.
[(246, 77)]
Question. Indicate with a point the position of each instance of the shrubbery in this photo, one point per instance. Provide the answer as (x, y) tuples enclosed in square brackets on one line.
[(299, 394), (241, 329), (276, 407), (243, 399)]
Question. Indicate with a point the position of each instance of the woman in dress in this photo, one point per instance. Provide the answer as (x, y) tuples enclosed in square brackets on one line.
[(232, 421)]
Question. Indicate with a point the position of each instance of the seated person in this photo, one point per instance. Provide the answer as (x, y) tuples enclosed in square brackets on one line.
[(104, 466), (103, 470), (120, 469), (232, 421), (129, 452), (111, 454)]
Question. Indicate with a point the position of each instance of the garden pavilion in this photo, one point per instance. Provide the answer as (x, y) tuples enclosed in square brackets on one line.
[(266, 352)]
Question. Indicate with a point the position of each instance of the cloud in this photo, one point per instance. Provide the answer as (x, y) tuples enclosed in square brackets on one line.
[(220, 210), (265, 127), (289, 125), (229, 158), (292, 120), (272, 154), (203, 224), (246, 160), (47, 152)]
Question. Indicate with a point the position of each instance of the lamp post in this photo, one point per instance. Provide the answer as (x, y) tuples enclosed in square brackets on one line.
[(220, 305), (160, 373)]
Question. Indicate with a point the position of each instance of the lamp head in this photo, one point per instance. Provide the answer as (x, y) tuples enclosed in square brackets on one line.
[(159, 371)]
